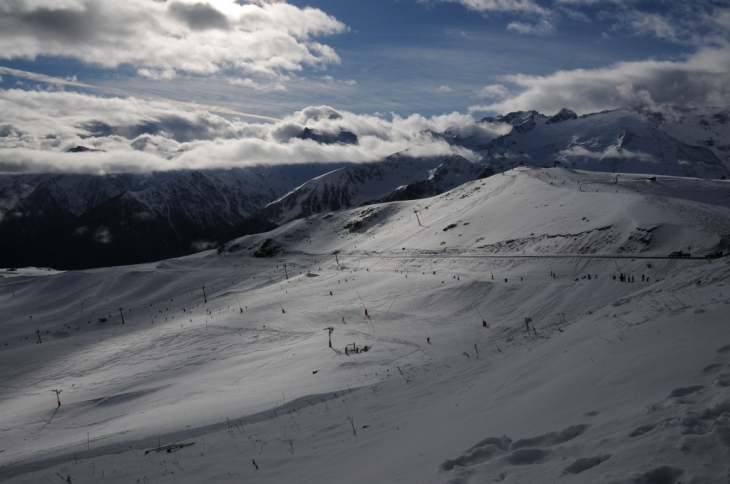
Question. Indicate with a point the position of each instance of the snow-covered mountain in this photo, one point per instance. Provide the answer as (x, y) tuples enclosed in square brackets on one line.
[(526, 211), (398, 177), (695, 144), (523, 328)]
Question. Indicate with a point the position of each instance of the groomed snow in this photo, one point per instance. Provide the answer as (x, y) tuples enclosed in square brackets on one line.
[(613, 381)]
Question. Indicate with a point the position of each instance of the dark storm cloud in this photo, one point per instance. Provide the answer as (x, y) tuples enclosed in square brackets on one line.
[(55, 24), (199, 16)]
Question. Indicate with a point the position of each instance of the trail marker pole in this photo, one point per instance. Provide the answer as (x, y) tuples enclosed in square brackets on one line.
[(330, 329), (58, 392), (419, 220), (121, 311), (286, 272), (38, 333), (205, 298)]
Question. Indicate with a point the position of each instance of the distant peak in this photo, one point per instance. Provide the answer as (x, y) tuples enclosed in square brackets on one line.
[(343, 137), (564, 115), (81, 149)]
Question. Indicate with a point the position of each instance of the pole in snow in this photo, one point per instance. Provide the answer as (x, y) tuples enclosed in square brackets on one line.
[(330, 329), (58, 392), (617, 267), (285, 271), (205, 298), (484, 321), (282, 307), (38, 333), (419, 220), (363, 304), (121, 311)]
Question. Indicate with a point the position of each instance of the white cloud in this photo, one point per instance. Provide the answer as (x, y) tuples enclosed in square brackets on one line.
[(261, 42), (543, 27), (610, 153), (493, 91), (695, 22), (653, 24), (39, 127), (444, 89), (102, 235), (702, 79), (523, 6)]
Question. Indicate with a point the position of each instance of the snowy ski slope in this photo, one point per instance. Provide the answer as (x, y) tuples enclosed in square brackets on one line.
[(608, 381)]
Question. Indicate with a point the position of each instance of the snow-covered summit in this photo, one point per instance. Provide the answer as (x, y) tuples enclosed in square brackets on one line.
[(624, 140)]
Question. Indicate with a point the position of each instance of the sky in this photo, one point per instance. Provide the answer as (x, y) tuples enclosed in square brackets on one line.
[(233, 75)]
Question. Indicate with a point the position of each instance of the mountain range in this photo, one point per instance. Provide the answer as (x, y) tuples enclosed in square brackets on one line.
[(79, 221)]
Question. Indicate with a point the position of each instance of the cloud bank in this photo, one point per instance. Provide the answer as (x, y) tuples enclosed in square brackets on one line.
[(135, 135), (703, 79), (258, 43)]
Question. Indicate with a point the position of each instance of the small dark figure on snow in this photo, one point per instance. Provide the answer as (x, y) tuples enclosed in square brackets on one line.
[(428, 340)]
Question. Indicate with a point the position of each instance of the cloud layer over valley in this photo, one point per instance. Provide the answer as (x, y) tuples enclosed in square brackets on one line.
[(135, 135)]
